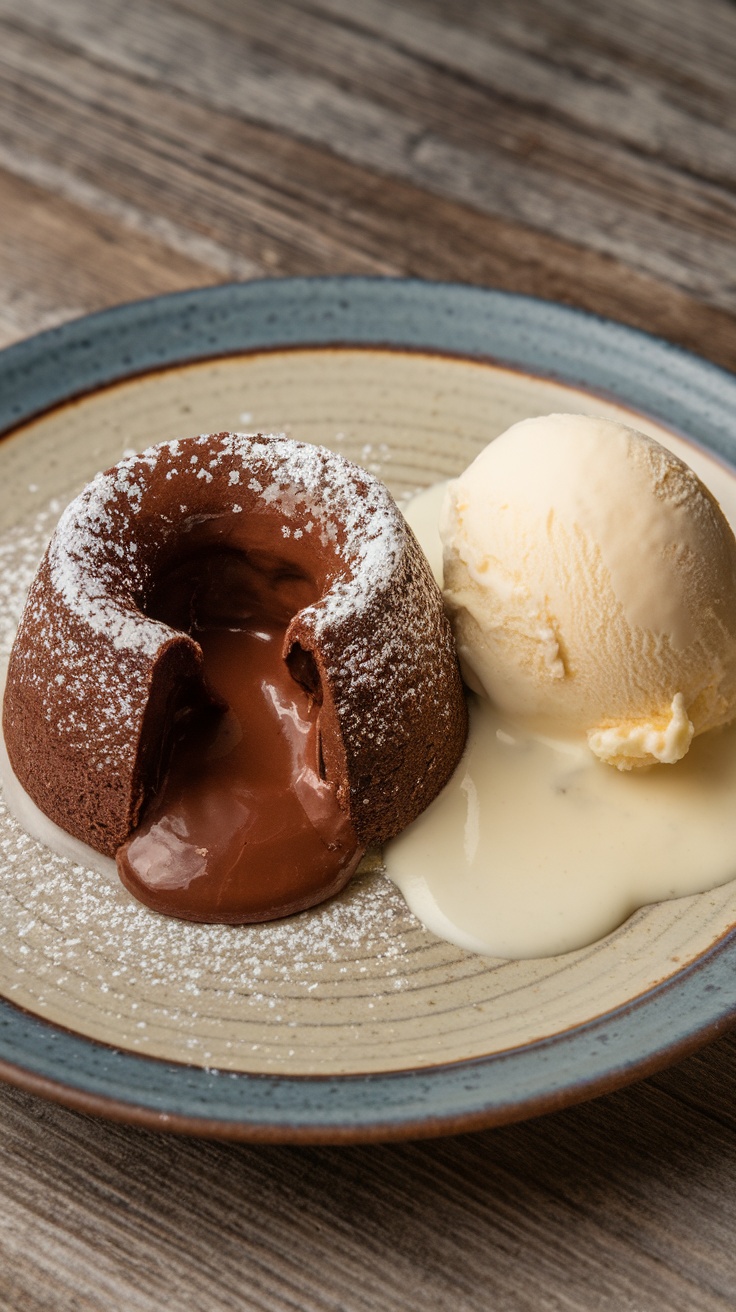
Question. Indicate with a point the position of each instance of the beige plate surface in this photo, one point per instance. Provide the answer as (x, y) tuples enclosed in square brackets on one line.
[(357, 985)]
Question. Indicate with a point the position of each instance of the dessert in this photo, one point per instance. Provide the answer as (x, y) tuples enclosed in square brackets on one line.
[(592, 583), (234, 673)]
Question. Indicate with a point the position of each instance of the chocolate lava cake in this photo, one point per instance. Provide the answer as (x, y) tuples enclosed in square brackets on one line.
[(219, 533)]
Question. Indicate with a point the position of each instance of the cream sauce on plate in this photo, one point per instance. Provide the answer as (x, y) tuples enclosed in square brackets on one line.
[(535, 848)]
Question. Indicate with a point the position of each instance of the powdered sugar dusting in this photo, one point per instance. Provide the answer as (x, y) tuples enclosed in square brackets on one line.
[(21, 548), (351, 508), (97, 570)]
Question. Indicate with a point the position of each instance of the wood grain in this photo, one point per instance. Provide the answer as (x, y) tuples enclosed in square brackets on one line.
[(626, 1203), (290, 144), (60, 260), (582, 153)]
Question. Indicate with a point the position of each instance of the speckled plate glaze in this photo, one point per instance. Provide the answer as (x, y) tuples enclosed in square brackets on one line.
[(349, 1022)]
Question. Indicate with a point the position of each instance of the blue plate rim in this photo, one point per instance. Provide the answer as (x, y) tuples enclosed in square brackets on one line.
[(513, 330)]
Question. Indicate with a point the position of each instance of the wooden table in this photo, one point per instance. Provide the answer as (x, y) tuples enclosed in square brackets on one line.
[(580, 152)]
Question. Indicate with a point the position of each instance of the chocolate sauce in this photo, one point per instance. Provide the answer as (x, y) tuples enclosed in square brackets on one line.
[(244, 826)]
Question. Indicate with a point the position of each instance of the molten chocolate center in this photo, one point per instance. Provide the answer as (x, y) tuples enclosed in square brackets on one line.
[(244, 826)]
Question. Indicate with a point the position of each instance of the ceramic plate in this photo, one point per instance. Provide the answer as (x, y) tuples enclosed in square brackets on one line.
[(348, 1022)]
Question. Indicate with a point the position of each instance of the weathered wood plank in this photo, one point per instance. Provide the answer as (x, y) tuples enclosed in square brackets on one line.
[(686, 47), (600, 66), (623, 1203), (565, 183), (59, 260), (449, 73), (248, 199)]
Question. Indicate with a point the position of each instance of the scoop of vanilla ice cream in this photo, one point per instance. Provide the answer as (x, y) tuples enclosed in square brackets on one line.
[(591, 582)]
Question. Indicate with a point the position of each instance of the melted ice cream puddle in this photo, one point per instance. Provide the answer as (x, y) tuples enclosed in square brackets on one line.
[(534, 848)]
